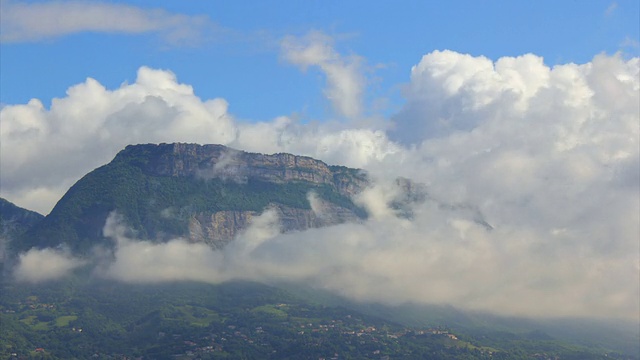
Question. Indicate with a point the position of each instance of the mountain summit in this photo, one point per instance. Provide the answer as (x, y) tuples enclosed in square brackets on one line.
[(205, 193)]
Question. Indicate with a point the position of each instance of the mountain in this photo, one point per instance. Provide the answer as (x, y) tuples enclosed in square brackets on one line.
[(14, 221), (205, 193)]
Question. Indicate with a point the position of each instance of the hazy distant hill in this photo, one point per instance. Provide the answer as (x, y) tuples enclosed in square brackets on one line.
[(202, 192), (14, 221)]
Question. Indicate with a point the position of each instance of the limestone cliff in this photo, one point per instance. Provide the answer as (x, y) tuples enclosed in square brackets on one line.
[(219, 228), (206, 193), (218, 161)]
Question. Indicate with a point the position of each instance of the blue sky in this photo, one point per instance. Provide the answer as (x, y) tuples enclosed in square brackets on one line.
[(235, 55)]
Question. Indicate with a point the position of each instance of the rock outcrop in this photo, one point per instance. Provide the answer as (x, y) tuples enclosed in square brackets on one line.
[(219, 228), (205, 193), (218, 161)]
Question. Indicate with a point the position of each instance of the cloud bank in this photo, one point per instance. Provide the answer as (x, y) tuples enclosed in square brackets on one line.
[(23, 22), (549, 156), (38, 265)]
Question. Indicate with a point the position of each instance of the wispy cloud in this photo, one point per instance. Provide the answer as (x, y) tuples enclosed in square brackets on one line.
[(28, 22), (611, 9), (344, 74), (630, 42)]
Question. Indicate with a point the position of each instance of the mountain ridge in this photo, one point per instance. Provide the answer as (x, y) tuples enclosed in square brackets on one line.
[(173, 190), (14, 221), (14, 218)]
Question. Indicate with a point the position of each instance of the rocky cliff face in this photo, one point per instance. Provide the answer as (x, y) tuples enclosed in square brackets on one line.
[(218, 161), (219, 228), (206, 193)]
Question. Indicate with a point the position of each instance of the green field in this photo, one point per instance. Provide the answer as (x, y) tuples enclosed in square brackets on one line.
[(62, 321)]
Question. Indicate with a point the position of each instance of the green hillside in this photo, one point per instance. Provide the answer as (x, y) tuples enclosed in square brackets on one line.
[(15, 220), (157, 205), (240, 320)]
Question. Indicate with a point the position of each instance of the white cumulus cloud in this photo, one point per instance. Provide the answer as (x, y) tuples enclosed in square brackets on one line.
[(45, 150)]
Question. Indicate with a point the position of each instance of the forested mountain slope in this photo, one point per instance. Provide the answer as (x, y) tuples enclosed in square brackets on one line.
[(205, 193)]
